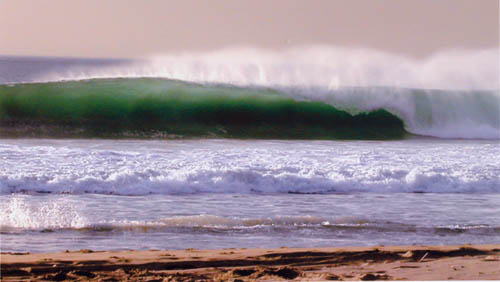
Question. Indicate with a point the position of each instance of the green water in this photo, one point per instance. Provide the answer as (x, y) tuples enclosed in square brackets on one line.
[(159, 108)]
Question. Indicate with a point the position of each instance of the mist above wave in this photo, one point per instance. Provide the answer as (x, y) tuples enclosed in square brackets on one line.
[(308, 66)]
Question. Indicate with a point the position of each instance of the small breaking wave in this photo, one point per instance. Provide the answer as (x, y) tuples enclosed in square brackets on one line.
[(248, 182), (58, 216)]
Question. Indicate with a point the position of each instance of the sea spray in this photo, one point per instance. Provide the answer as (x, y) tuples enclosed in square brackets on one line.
[(307, 66), (20, 213)]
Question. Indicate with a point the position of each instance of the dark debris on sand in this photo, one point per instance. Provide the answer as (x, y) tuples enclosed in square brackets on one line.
[(300, 265)]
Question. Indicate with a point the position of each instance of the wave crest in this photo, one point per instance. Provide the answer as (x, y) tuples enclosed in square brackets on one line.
[(318, 66)]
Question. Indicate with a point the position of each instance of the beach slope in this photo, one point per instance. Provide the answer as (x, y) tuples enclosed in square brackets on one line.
[(468, 262)]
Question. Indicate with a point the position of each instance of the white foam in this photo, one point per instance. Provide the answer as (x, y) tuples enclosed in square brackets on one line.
[(191, 167), (213, 221), (468, 114)]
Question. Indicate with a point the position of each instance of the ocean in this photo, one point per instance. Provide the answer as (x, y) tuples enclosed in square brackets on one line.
[(249, 149)]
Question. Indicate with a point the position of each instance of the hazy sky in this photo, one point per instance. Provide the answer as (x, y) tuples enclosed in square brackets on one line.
[(122, 28)]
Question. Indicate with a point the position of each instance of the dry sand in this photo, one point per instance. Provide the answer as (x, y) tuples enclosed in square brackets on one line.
[(478, 262)]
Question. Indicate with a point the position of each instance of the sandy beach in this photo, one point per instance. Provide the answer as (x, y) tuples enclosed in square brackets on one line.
[(467, 262)]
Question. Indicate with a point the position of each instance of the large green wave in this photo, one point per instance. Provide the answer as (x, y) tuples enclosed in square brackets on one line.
[(160, 108)]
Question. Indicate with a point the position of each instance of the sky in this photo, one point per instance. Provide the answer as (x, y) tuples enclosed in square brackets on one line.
[(125, 29)]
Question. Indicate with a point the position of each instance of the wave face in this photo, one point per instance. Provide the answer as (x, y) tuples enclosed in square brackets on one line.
[(451, 94), (165, 108)]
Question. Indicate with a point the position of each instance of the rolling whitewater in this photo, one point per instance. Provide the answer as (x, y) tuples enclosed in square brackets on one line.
[(307, 147)]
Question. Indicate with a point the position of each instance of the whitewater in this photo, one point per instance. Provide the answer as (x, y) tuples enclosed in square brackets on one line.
[(247, 167), (305, 147)]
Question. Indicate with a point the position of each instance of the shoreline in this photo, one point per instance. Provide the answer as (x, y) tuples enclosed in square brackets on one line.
[(469, 262)]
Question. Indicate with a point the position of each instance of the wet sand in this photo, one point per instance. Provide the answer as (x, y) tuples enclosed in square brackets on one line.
[(468, 262)]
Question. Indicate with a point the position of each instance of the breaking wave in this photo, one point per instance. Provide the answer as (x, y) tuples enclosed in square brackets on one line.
[(131, 167), (159, 108), (314, 92), (248, 182)]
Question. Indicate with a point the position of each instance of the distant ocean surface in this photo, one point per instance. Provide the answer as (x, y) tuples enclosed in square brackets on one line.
[(249, 149)]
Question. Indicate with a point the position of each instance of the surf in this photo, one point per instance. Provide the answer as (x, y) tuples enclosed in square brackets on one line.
[(163, 108), (308, 92), (160, 108), (250, 167)]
